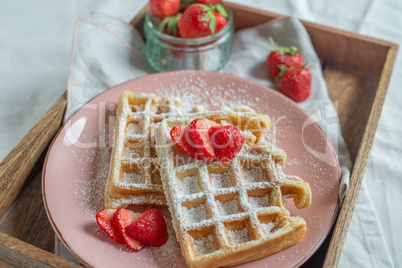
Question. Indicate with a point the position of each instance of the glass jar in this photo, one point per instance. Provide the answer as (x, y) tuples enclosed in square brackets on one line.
[(167, 53)]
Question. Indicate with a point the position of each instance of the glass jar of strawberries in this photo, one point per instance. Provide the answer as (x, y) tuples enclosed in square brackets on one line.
[(188, 34)]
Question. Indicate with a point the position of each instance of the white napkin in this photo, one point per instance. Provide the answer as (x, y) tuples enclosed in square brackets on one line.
[(107, 51)]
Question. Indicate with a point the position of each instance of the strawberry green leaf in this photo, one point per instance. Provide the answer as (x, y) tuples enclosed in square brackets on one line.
[(283, 69), (221, 10), (205, 8), (212, 24), (207, 16), (271, 40), (163, 24)]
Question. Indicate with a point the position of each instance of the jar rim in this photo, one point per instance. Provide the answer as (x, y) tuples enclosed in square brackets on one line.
[(149, 25)]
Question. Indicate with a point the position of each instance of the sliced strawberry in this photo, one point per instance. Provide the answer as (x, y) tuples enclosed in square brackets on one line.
[(226, 142), (198, 138), (123, 218), (178, 136), (105, 219), (149, 228)]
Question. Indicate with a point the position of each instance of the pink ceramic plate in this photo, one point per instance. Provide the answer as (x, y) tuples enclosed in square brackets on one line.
[(76, 167)]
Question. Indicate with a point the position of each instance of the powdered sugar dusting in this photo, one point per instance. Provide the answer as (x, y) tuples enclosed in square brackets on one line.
[(267, 227), (259, 201), (221, 180), (254, 174), (205, 245), (228, 208), (195, 214), (238, 236), (89, 194), (189, 185)]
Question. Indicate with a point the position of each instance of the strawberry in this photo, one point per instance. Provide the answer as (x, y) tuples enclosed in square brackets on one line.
[(226, 142), (178, 136), (149, 228), (206, 2), (105, 219), (123, 218), (198, 138), (200, 20), (288, 56), (295, 82), (164, 8), (169, 25)]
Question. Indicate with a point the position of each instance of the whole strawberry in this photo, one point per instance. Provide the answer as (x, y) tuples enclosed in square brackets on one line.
[(169, 25), (164, 8), (226, 142), (149, 228), (288, 56), (200, 20), (295, 82)]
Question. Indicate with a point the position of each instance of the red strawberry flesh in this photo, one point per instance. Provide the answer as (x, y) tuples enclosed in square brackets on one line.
[(164, 8), (226, 142), (149, 228), (105, 219), (123, 218), (198, 138), (296, 83), (206, 2), (178, 136)]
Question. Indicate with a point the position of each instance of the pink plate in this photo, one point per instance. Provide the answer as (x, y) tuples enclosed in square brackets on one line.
[(76, 167)]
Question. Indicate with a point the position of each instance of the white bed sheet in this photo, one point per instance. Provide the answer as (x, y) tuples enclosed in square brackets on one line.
[(35, 45)]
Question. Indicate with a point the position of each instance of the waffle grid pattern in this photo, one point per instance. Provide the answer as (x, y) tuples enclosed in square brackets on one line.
[(223, 212), (134, 175)]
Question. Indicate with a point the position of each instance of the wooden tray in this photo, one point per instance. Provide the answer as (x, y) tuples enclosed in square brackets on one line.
[(357, 71)]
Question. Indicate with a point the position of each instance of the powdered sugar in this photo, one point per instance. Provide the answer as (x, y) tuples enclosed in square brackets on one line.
[(189, 185), (205, 245), (221, 180), (254, 174), (259, 201), (228, 208), (238, 236), (195, 214)]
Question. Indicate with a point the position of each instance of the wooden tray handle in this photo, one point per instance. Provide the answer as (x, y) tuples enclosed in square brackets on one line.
[(17, 253), (16, 167)]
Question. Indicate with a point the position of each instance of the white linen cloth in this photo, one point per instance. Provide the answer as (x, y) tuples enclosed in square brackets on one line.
[(106, 52), (36, 42)]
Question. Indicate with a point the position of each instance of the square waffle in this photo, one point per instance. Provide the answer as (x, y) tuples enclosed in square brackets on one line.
[(228, 214), (134, 176)]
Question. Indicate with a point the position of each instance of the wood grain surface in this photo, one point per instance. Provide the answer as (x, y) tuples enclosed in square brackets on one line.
[(16, 167), (356, 69), (16, 253)]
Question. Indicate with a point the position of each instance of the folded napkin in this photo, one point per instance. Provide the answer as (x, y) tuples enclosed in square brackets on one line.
[(107, 51)]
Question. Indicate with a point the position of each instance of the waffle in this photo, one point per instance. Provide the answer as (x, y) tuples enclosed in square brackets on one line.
[(134, 176), (232, 213)]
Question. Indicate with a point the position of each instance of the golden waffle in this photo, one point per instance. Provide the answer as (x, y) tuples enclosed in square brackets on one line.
[(228, 214), (134, 176)]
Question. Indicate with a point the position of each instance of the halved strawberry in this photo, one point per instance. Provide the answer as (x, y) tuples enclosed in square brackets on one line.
[(198, 138), (149, 228), (226, 142), (105, 219), (178, 136), (123, 218)]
